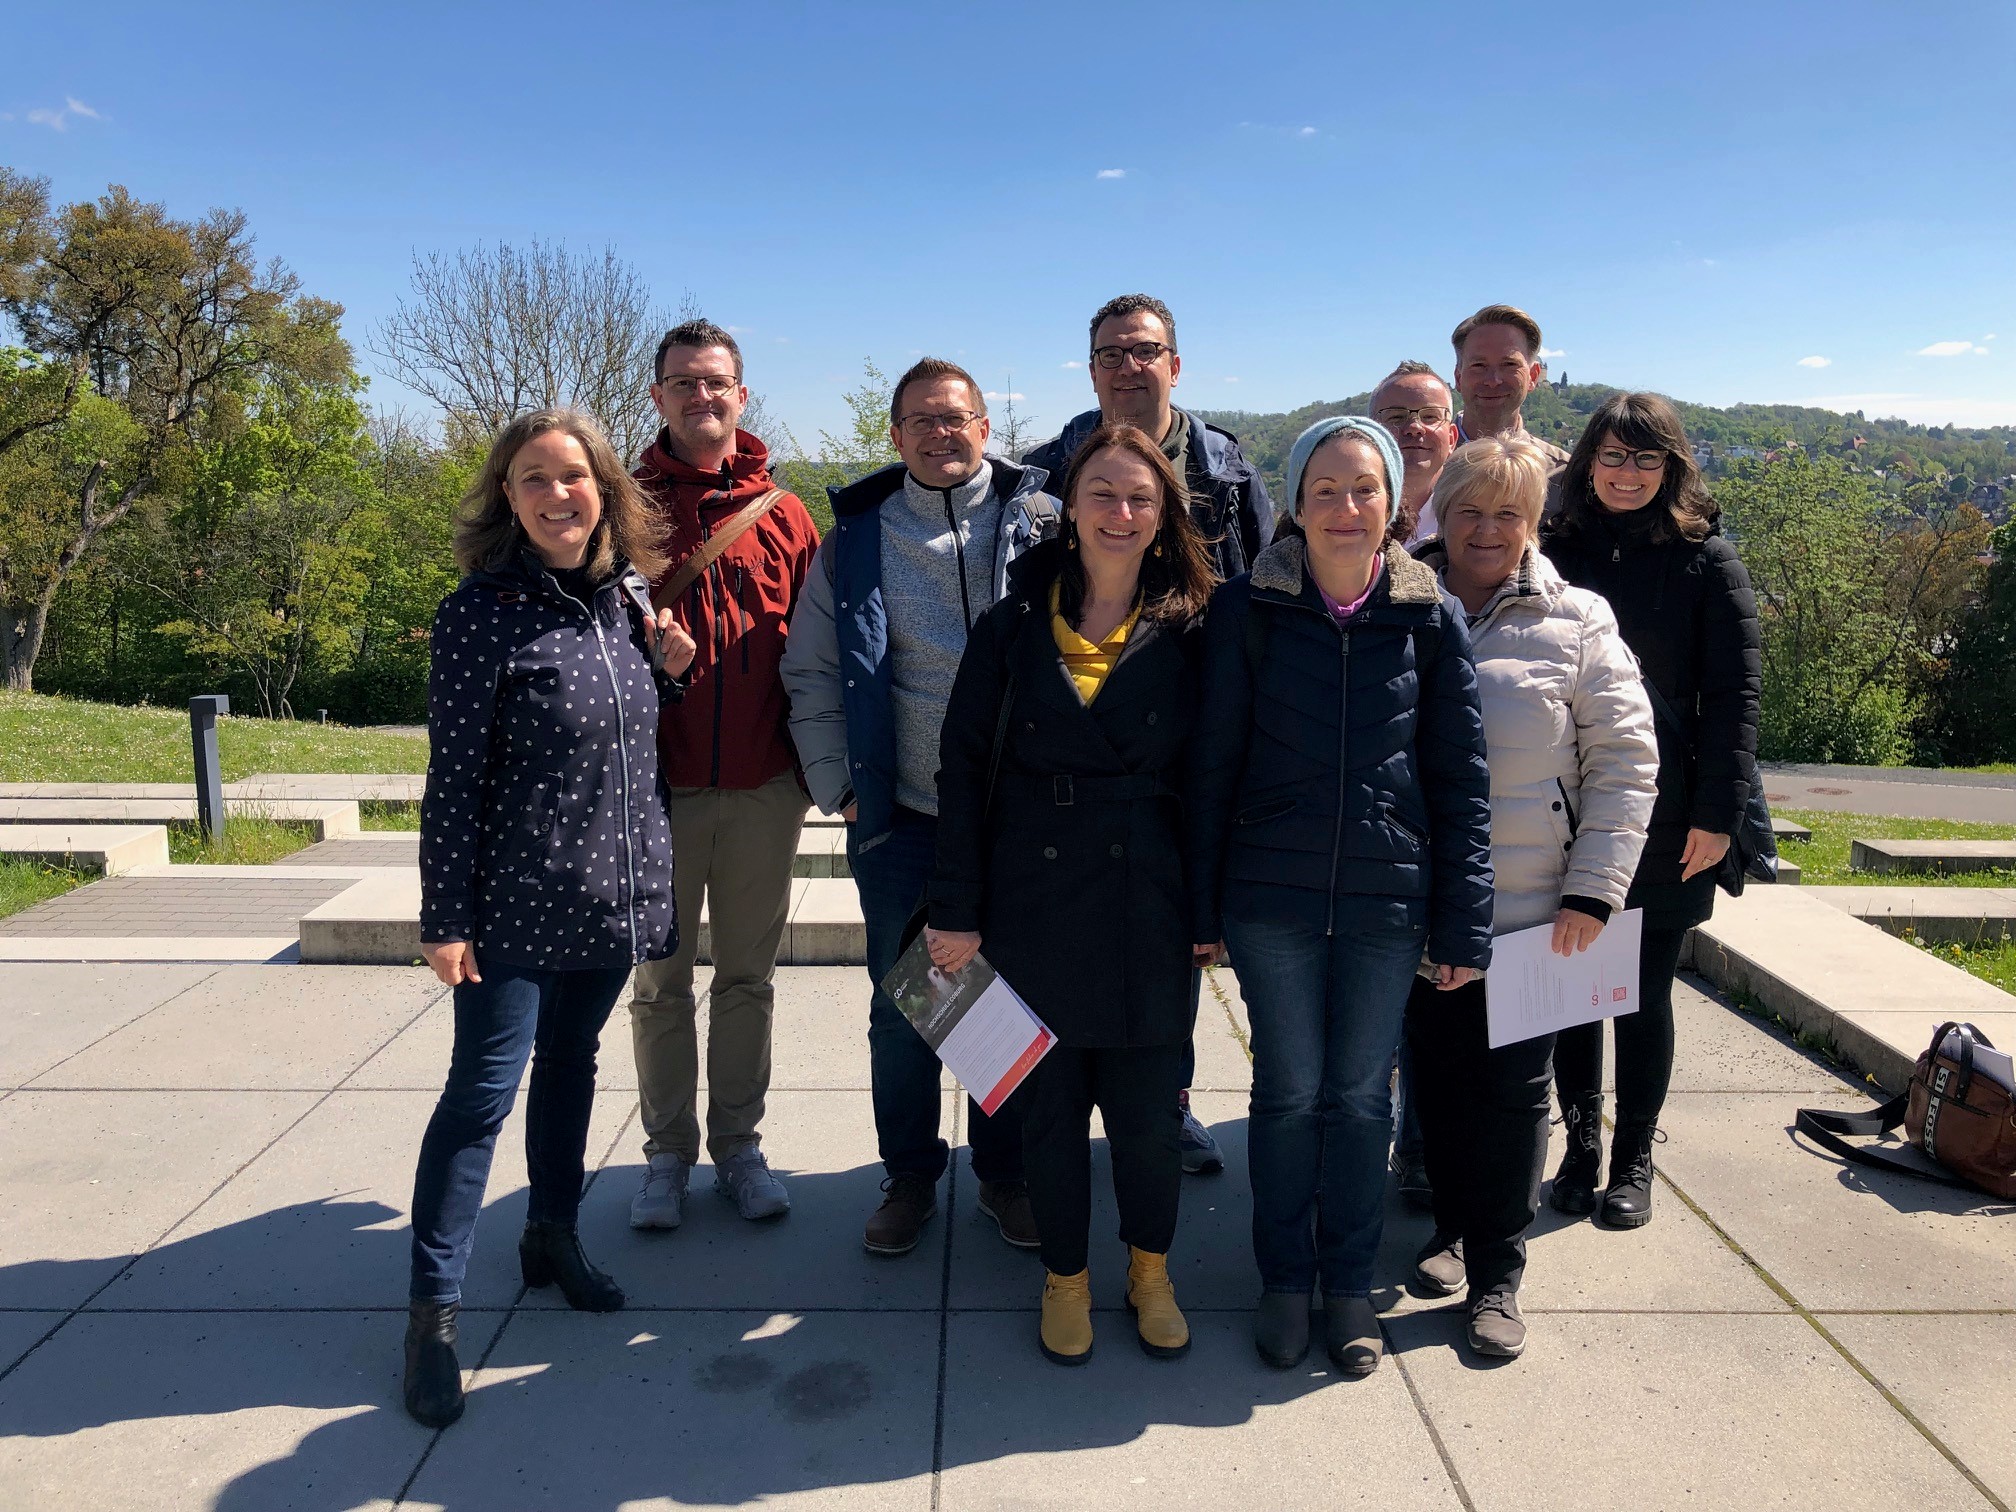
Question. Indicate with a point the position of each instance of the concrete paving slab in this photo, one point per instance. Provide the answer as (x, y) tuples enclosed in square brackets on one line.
[(1835, 1235), (374, 787), (1897, 1028), (170, 906), (326, 819), (89, 1179), (52, 1011), (107, 848), (823, 1146), (373, 922), (239, 1413), (417, 1060), (1939, 915), (1214, 1429), (826, 927), (142, 949), (1685, 1411), (19, 1332), (644, 1410), (1222, 1062), (257, 1026), (320, 1220), (1718, 1048), (372, 848), (1938, 857), (1935, 1365)]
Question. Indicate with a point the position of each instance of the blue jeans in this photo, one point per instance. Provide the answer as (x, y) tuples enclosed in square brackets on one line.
[(499, 1021), (902, 1066), (1407, 1118), (1327, 1013)]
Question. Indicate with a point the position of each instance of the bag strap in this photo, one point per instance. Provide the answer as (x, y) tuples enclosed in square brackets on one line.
[(711, 548), (1825, 1126)]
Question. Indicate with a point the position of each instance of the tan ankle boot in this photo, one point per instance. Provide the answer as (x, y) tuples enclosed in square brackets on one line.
[(1164, 1333), (1066, 1334)]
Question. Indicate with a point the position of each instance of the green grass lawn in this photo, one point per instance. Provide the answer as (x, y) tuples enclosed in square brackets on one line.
[(1992, 961), (375, 815), (25, 883), (1823, 860), (44, 739), (246, 842)]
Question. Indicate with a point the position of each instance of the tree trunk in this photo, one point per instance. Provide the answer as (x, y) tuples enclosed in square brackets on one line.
[(21, 627), (22, 624)]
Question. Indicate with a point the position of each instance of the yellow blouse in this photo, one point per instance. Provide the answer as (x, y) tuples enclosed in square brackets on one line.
[(1089, 663)]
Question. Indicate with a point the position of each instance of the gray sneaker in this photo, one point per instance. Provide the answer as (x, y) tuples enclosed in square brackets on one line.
[(1438, 1268), (1496, 1328), (745, 1177), (661, 1202)]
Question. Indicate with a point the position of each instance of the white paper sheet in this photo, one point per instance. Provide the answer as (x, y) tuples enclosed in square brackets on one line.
[(1530, 991)]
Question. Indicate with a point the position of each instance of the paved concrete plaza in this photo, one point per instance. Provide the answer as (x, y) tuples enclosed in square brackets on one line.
[(205, 1171)]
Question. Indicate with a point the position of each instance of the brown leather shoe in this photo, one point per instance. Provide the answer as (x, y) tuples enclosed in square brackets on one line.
[(907, 1205), (1007, 1203)]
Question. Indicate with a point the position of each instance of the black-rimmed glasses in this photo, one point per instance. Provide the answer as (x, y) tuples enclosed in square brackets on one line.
[(1144, 353)]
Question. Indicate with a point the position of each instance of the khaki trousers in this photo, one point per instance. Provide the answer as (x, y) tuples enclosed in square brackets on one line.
[(738, 847)]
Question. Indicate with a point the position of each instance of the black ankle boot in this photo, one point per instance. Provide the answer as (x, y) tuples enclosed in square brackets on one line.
[(550, 1253), (433, 1374), (1628, 1203), (1574, 1188)]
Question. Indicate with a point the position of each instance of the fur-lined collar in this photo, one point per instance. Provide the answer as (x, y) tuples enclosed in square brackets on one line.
[(1279, 569)]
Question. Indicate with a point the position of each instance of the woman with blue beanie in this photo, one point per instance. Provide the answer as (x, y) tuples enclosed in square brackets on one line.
[(1339, 813)]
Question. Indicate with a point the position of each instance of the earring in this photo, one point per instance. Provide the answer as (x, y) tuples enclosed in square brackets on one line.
[(1158, 546), (1070, 535)]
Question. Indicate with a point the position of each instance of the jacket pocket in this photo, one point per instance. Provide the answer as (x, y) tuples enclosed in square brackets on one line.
[(532, 833), (1260, 813), (1415, 832)]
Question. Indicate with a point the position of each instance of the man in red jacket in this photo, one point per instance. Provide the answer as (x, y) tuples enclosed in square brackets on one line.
[(736, 801)]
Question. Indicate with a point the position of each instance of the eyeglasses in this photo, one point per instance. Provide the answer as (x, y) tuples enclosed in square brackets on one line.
[(1644, 461), (917, 427), (1144, 353), (716, 384), (1428, 414)]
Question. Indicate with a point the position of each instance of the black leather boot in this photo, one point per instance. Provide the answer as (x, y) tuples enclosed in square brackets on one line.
[(1628, 1203), (1574, 1189), (433, 1374), (550, 1254)]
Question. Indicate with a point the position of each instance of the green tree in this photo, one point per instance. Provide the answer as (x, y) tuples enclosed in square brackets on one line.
[(853, 453), (1974, 705)]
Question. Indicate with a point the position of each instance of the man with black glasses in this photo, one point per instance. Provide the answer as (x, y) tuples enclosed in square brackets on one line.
[(918, 552), (1417, 407), (1135, 366)]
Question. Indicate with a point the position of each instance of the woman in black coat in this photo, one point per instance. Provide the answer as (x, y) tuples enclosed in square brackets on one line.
[(1066, 862), (545, 852), (1638, 527)]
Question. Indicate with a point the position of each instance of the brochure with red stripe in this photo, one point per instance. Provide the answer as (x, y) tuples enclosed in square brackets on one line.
[(983, 1032)]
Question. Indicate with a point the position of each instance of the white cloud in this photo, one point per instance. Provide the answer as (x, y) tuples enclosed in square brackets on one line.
[(990, 396), (781, 340), (59, 120), (1952, 349), (1307, 131), (1816, 362), (1920, 409), (1071, 364), (1552, 352), (1111, 173), (738, 330), (1231, 380)]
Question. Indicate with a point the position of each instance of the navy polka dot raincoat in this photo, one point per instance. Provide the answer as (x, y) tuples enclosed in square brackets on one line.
[(543, 833)]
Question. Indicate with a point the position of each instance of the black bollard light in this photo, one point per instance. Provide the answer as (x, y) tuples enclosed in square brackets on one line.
[(203, 712)]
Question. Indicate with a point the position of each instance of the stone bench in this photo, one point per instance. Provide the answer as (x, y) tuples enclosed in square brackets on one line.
[(1936, 915), (1941, 857), (398, 789), (326, 819), (1876, 998), (107, 848), (1785, 829)]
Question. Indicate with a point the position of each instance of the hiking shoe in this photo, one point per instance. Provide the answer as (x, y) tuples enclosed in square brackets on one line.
[(661, 1202), (1496, 1329), (1007, 1203), (1574, 1189), (1157, 1319), (1281, 1328), (1065, 1334), (907, 1205), (1201, 1155), (1351, 1335), (745, 1177), (1415, 1189), (1438, 1269), (1628, 1202)]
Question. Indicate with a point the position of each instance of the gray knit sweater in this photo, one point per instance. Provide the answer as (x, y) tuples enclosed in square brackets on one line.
[(928, 534)]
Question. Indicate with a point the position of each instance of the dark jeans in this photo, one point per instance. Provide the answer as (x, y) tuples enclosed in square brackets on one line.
[(1483, 1127), (1407, 1116), (1135, 1092), (1186, 1065), (902, 1067), (1644, 1039), (1327, 1014), (556, 1017)]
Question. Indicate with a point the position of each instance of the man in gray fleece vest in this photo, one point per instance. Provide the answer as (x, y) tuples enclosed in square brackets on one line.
[(917, 554)]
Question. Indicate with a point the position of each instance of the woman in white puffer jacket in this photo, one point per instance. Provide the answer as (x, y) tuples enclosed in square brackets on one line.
[(1574, 772)]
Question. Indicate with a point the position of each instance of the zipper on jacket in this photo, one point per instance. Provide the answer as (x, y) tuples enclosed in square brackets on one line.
[(1343, 768), (623, 757), (959, 555)]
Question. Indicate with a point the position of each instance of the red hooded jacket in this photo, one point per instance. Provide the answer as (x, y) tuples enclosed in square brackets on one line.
[(732, 729)]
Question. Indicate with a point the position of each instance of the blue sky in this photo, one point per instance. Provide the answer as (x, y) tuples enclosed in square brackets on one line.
[(1709, 199)]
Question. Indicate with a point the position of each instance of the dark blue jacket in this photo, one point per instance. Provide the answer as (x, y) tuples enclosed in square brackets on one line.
[(1335, 764), (1228, 497), (543, 832)]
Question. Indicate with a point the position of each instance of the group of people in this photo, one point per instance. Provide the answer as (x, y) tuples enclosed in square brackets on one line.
[(1107, 716)]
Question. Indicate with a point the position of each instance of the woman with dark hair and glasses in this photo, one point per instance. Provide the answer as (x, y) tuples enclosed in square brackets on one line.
[(1638, 527), (545, 851), (1060, 849)]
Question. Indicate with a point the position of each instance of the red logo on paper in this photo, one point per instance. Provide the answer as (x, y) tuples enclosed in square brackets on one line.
[(1618, 994)]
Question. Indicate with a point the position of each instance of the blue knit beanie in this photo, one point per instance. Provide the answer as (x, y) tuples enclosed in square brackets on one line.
[(1362, 425)]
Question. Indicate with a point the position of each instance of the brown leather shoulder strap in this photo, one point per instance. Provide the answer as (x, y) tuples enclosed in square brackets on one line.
[(713, 546)]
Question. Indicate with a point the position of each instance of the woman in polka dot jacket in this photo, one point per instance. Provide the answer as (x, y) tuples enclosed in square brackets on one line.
[(545, 854)]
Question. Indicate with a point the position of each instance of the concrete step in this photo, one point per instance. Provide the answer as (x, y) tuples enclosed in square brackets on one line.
[(326, 819), (107, 848), (1943, 857), (1785, 829), (370, 787), (1936, 915), (1876, 998), (822, 852)]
